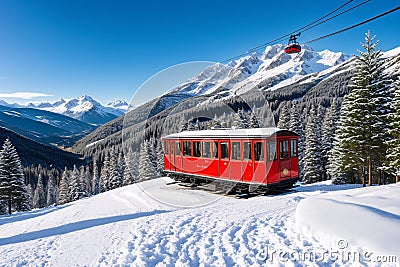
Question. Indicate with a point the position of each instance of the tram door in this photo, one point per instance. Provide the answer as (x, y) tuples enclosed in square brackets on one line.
[(260, 173), (172, 156), (224, 166), (248, 163), (284, 160), (178, 157)]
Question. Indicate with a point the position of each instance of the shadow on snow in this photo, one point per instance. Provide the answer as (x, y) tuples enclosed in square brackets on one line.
[(72, 227), (4, 219)]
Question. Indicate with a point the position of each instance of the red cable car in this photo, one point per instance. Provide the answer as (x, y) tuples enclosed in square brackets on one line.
[(239, 159), (293, 47)]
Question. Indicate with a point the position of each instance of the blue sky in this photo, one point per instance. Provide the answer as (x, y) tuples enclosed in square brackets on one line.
[(107, 49)]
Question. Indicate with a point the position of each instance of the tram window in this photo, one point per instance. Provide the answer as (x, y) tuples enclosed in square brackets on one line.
[(247, 151), (284, 149), (236, 150), (224, 150), (166, 148), (172, 147), (178, 148), (293, 148), (196, 149), (259, 151), (271, 146), (215, 150), (187, 148), (206, 150)]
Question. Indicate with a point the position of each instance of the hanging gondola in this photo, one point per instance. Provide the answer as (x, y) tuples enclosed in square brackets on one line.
[(293, 46)]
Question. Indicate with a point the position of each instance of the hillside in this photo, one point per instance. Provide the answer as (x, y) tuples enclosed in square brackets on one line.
[(127, 227), (34, 153)]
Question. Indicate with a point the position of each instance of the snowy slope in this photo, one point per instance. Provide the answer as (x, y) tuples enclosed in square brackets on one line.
[(127, 227)]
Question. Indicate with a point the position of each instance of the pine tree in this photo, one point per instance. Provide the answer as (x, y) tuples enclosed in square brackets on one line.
[(51, 191), (63, 191), (105, 174), (342, 158), (312, 155), (216, 123), (82, 183), (284, 118), (393, 144), (39, 197), (115, 178), (328, 130), (160, 158), (361, 134), (95, 179), (146, 167), (240, 120), (254, 120), (296, 126), (12, 181), (75, 190), (131, 173)]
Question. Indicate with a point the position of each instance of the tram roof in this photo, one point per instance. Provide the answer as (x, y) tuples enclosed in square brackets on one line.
[(232, 133)]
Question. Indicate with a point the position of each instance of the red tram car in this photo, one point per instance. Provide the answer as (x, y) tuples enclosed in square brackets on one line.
[(262, 158)]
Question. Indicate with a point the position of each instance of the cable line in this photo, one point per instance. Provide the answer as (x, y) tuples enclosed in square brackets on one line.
[(304, 28), (355, 25)]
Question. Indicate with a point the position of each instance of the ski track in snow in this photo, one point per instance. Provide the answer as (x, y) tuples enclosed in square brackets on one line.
[(124, 227)]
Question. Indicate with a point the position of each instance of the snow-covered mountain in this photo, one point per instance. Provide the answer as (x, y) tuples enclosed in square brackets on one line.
[(271, 68), (120, 105), (129, 227), (84, 108)]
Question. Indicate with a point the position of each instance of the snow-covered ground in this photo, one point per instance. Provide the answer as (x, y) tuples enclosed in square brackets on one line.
[(130, 227)]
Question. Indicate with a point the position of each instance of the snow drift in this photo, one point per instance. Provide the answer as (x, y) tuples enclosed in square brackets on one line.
[(366, 218)]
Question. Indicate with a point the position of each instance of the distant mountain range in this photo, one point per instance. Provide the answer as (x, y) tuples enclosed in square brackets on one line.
[(83, 108), (44, 126)]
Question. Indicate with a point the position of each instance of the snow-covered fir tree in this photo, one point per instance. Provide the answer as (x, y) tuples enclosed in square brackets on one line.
[(328, 130), (115, 170), (393, 144), (284, 117), (160, 158), (254, 123), (95, 179), (312, 155), (241, 120), (131, 172), (360, 140), (51, 197), (39, 197), (63, 189), (296, 125), (147, 169), (83, 182), (105, 174), (75, 189), (216, 123), (12, 182)]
